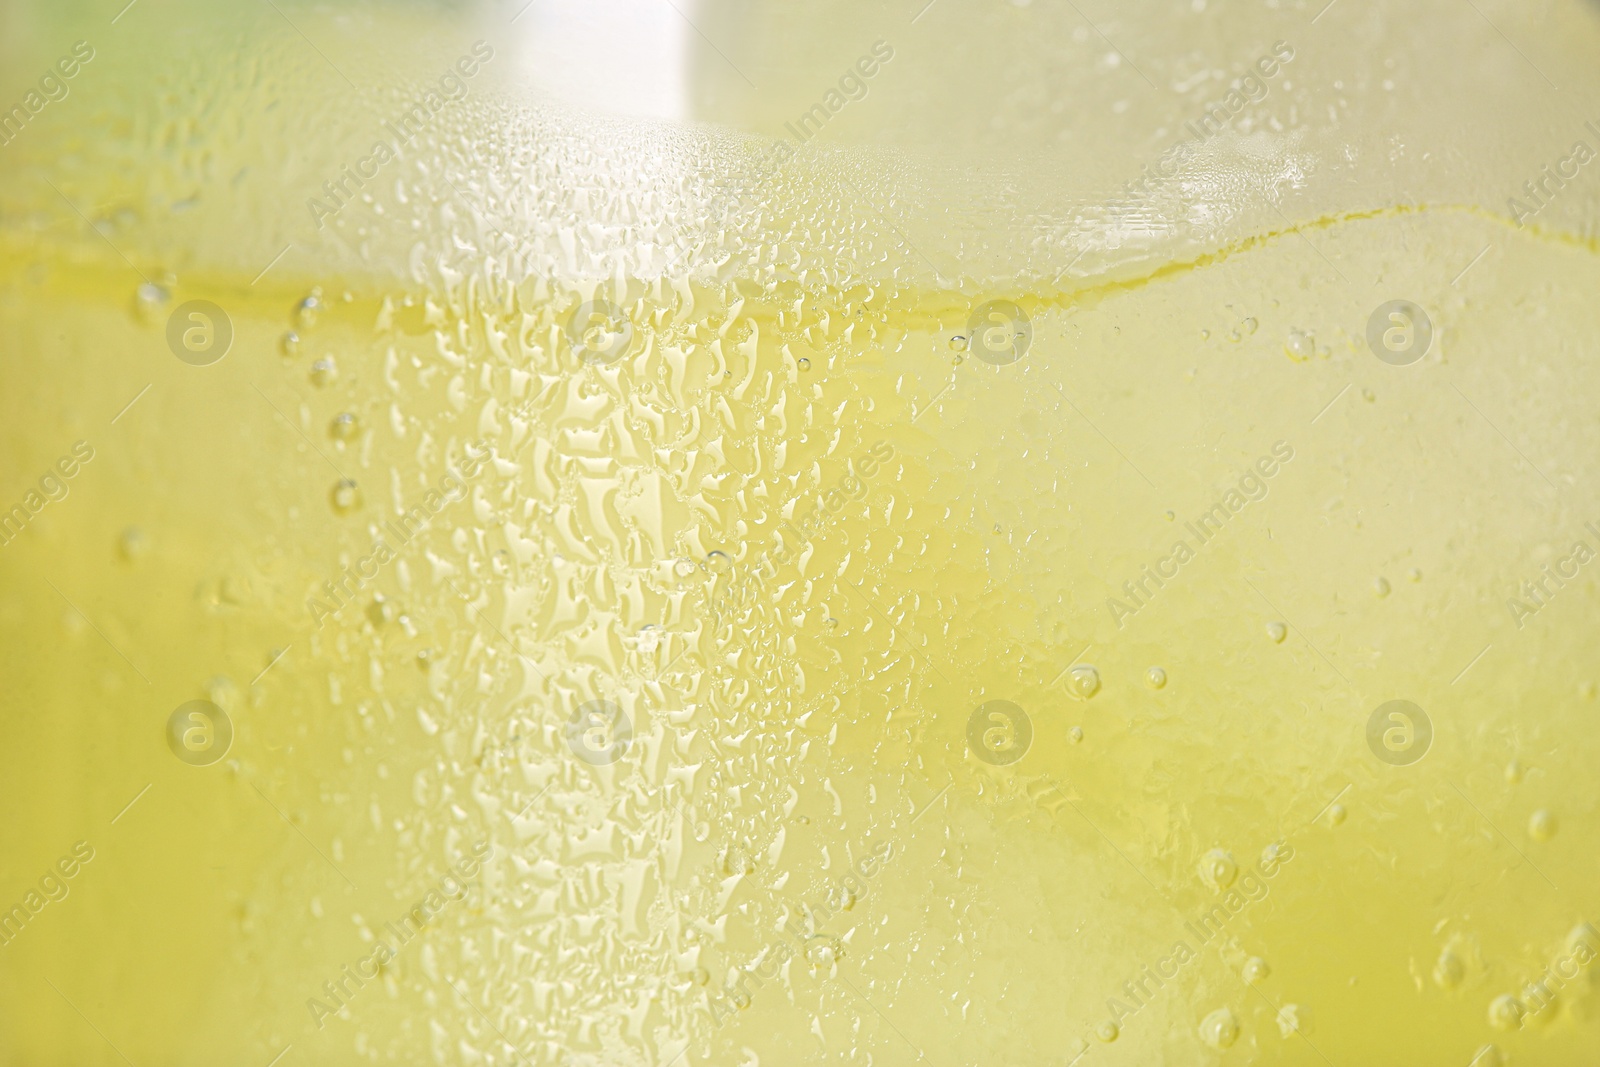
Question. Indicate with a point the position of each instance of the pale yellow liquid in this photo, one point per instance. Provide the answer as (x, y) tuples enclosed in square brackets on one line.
[(792, 715)]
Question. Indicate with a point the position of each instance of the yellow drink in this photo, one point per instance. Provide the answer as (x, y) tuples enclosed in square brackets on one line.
[(676, 600)]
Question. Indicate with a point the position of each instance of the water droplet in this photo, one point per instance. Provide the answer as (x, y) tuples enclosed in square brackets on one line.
[(1219, 1029), (1255, 969), (958, 343), (1414, 574), (1381, 587), (1085, 681), (684, 568), (1277, 631), (1300, 346), (132, 544), (1205, 335), (425, 659), (1291, 1020), (1076, 734), (700, 976), (324, 371), (346, 426), (1250, 326), (149, 301), (307, 311), (1542, 825), (1337, 814), (1107, 1031), (289, 344), (346, 496), (1514, 772), (380, 610), (1488, 1056), (1506, 1012), (1218, 869), (804, 363), (1155, 677), (719, 561), (1449, 970)]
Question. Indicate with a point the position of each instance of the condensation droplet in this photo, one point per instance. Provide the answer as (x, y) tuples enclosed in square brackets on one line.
[(346, 496), (1250, 326), (804, 363), (289, 344), (1255, 969), (149, 301), (1219, 1029), (1381, 586), (1085, 681), (1542, 825), (719, 561), (1337, 814), (1107, 1031), (958, 343), (1155, 677), (380, 611), (1514, 772), (1488, 1056), (1448, 970), (1277, 631), (1218, 869), (132, 544), (346, 426), (1505, 1012), (1300, 346), (307, 311), (324, 371), (1075, 734)]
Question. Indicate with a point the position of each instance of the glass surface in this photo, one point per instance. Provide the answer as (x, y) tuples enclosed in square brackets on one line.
[(673, 534)]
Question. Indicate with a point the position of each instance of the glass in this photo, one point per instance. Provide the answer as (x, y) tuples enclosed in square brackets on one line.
[(666, 533)]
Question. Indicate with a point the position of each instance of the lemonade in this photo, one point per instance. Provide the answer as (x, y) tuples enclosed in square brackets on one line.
[(577, 588)]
